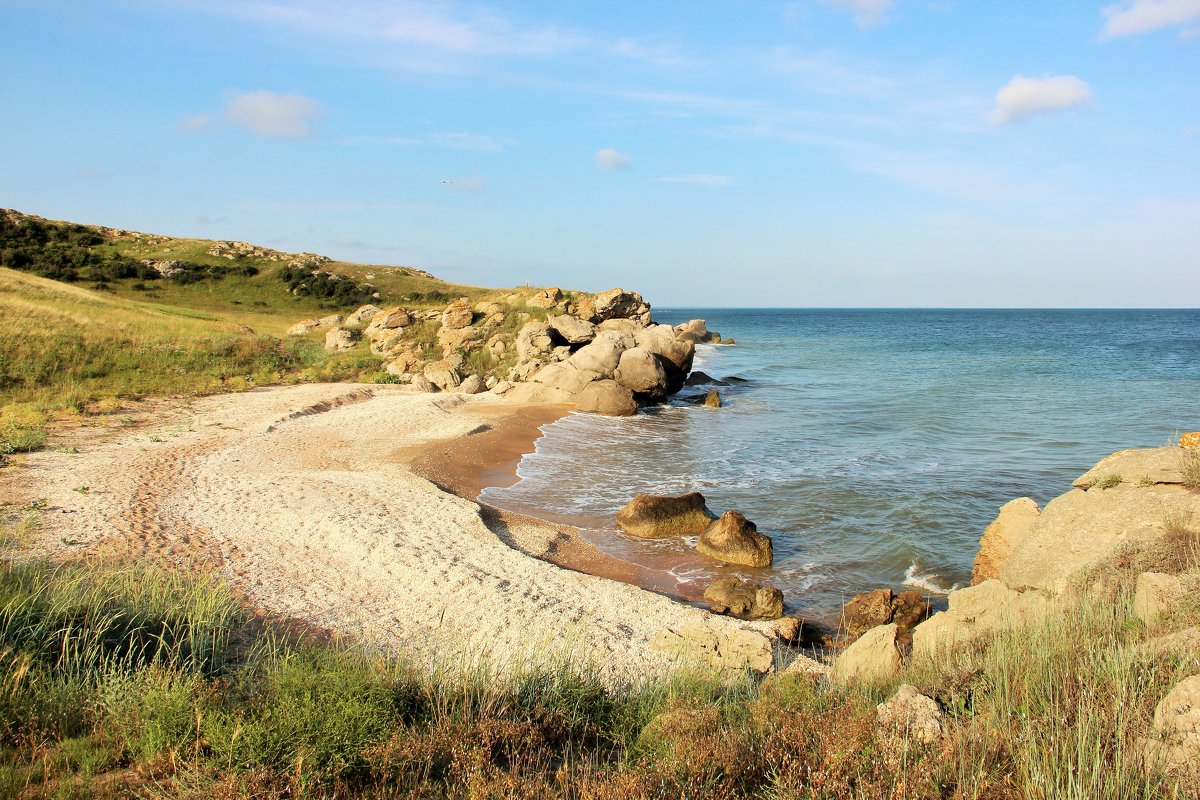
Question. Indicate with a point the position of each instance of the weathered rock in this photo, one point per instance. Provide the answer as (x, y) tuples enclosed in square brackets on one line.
[(303, 327), (912, 715), (457, 315), (1190, 441), (546, 298), (423, 384), (454, 339), (488, 308), (565, 376), (361, 314), (341, 339), (1142, 466), (1177, 643), (501, 387), (735, 540), (788, 629), (606, 397), (699, 378), (909, 609), (655, 516), (537, 393), (390, 320), (472, 384), (1173, 746), (721, 647), (872, 658), (625, 326), (866, 611), (1014, 522), (693, 330), (573, 329), (744, 599), (614, 304), (728, 340), (974, 612), (1156, 594), (675, 356), (640, 371), (602, 356), (443, 375), (534, 340), (712, 399)]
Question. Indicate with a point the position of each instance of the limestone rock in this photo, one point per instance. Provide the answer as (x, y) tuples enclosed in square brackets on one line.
[(1156, 594), (744, 599), (501, 387), (1014, 522), (788, 629), (442, 375), (546, 298), (303, 327), (1151, 465), (866, 611), (1178, 643), (606, 397), (362, 314), (389, 320), (472, 384), (912, 715), (726, 648), (735, 540), (329, 321), (654, 516), (573, 329), (601, 356), (642, 373), (872, 658), (457, 315), (341, 339), (615, 304), (534, 340), (693, 330), (1174, 743), (974, 612), (625, 326), (566, 377), (423, 384)]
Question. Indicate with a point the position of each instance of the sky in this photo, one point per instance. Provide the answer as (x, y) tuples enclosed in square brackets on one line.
[(844, 153)]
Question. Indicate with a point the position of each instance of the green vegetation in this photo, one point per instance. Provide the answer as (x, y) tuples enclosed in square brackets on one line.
[(1189, 465), (123, 681), (1110, 481)]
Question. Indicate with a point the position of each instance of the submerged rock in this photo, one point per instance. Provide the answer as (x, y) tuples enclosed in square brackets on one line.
[(736, 540), (699, 378), (654, 516)]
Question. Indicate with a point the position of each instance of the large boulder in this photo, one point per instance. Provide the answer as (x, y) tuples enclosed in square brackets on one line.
[(975, 612), (641, 372), (693, 330), (443, 375), (655, 516), (866, 611), (534, 340), (389, 320), (912, 715), (910, 609), (457, 315), (472, 384), (304, 326), (565, 376), (744, 599), (1173, 746), (735, 540), (341, 339), (602, 356), (606, 397), (1156, 594), (361, 315), (615, 304), (872, 658), (625, 326), (573, 329), (546, 298), (1016, 519)]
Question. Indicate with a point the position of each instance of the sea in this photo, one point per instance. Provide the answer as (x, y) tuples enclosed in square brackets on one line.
[(873, 446)]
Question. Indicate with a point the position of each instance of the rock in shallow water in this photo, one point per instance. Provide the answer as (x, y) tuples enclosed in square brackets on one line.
[(736, 540), (654, 516), (744, 599)]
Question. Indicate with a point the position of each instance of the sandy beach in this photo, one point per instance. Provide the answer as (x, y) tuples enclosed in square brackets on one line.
[(334, 505)]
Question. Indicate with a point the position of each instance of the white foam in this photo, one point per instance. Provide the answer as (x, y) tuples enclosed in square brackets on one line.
[(926, 581)]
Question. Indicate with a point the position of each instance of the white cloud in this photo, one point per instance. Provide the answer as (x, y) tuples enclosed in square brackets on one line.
[(1132, 17), (273, 116), (867, 13), (699, 180), (612, 160), (1024, 97)]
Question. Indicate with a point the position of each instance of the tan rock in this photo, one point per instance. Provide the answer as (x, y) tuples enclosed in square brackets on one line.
[(303, 327), (537, 393), (534, 340), (712, 399), (601, 356), (1156, 594), (573, 329), (362, 314), (872, 658), (389, 320), (735, 540), (866, 611), (617, 304), (566, 377), (1152, 465), (744, 599), (1173, 746), (1014, 522), (472, 384), (642, 373), (912, 715), (329, 321), (726, 648), (423, 384), (341, 339), (654, 516), (457, 315), (443, 375), (626, 326), (1190, 441), (1185, 642), (606, 397), (546, 298), (975, 612)]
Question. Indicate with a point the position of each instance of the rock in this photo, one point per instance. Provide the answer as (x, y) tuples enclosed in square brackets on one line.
[(472, 384), (974, 612), (488, 308), (735, 540), (423, 384), (712, 399), (872, 658), (566, 377), (491, 382), (606, 397), (909, 609), (601, 356), (341, 339), (1156, 594), (443, 375), (1014, 522), (1082, 531), (1178, 643), (1144, 466), (676, 356), (640, 371), (713, 338), (454, 339), (573, 329), (654, 516), (699, 378), (788, 629), (501, 387), (728, 340), (303, 327), (537, 393), (722, 647), (1189, 441), (390, 320), (534, 340), (692, 331), (546, 298), (361, 315), (1173, 746), (457, 315), (744, 599), (866, 611), (615, 304), (625, 326), (736, 379), (912, 715)]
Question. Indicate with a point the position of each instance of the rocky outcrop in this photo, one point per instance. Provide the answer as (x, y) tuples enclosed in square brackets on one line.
[(546, 298), (1173, 746), (654, 517), (720, 647), (870, 609), (873, 658), (640, 371), (606, 397), (1016, 519), (361, 315), (1156, 594), (975, 612), (472, 384), (572, 329), (614, 304), (744, 599), (457, 315), (341, 339), (443, 375), (911, 715), (309, 325), (735, 540)]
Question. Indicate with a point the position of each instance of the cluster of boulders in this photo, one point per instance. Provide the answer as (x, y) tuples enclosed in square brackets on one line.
[(239, 250), (730, 538), (603, 353)]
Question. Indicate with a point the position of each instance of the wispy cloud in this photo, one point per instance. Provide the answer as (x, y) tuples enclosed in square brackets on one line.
[(1133, 17), (1023, 97), (453, 140), (699, 180), (611, 159), (266, 114), (867, 13)]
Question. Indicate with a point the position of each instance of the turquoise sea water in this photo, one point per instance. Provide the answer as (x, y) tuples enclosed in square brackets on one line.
[(874, 446)]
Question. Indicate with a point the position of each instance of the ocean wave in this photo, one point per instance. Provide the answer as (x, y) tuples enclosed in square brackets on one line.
[(925, 580)]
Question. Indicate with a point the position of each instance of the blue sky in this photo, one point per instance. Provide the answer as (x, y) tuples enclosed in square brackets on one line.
[(808, 153)]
